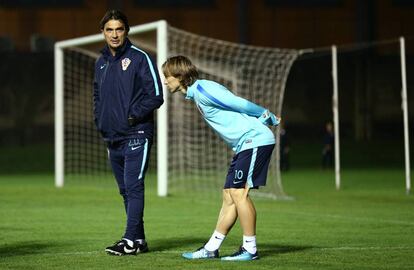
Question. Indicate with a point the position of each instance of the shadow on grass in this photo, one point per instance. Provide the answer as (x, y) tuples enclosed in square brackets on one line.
[(25, 248), (274, 249), (172, 243)]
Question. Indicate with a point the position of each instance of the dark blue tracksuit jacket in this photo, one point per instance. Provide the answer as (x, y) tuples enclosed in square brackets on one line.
[(126, 85)]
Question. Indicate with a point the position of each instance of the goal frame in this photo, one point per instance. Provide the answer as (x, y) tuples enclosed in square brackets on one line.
[(404, 108), (162, 117)]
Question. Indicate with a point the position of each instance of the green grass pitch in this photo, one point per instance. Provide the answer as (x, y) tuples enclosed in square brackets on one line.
[(369, 224)]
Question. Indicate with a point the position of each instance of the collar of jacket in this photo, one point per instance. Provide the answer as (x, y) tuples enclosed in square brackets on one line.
[(190, 90), (108, 55)]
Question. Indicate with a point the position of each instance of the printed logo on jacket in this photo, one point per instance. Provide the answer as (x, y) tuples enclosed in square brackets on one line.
[(125, 63)]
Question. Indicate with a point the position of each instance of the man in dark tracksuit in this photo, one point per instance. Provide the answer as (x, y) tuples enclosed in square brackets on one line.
[(127, 90)]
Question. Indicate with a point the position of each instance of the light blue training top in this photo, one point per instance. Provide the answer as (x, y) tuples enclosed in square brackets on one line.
[(235, 119)]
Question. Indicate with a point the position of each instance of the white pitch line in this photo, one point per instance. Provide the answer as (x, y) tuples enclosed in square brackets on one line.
[(103, 252), (364, 248), (275, 251)]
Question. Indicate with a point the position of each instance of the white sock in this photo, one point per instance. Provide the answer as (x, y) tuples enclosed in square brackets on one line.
[(249, 243), (215, 241), (140, 241)]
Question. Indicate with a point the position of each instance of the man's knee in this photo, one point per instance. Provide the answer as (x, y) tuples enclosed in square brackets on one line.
[(238, 194), (227, 198), (135, 189)]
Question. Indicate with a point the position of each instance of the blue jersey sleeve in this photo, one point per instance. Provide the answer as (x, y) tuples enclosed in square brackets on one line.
[(221, 97)]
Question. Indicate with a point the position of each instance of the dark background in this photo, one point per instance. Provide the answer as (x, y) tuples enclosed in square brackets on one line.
[(366, 32)]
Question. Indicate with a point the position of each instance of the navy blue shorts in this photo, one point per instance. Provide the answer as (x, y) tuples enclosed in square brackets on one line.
[(249, 167)]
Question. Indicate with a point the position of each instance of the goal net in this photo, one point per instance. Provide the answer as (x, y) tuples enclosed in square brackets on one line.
[(197, 158)]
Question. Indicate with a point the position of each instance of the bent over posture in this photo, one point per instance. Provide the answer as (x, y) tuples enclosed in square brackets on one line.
[(242, 125), (127, 90)]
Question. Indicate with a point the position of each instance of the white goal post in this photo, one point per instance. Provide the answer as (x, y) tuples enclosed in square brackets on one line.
[(404, 108), (335, 111)]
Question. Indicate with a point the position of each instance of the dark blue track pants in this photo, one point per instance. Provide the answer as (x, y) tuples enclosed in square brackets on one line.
[(129, 161)]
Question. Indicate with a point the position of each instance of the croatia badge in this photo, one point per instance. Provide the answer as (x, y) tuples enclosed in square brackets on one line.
[(125, 63)]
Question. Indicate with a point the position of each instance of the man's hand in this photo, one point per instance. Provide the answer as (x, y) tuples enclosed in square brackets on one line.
[(269, 118)]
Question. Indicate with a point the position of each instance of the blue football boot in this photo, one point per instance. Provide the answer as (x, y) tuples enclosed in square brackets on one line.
[(201, 253), (241, 255)]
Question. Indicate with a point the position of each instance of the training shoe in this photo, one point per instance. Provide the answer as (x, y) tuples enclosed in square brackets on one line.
[(121, 248), (241, 255), (142, 247), (201, 253)]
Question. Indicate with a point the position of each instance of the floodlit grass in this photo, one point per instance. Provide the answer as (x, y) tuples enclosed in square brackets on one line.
[(369, 224)]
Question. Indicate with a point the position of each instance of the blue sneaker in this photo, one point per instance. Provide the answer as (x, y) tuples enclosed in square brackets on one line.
[(241, 255), (201, 253)]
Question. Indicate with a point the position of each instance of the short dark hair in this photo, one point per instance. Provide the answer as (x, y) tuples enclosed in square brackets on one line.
[(114, 15), (181, 68)]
